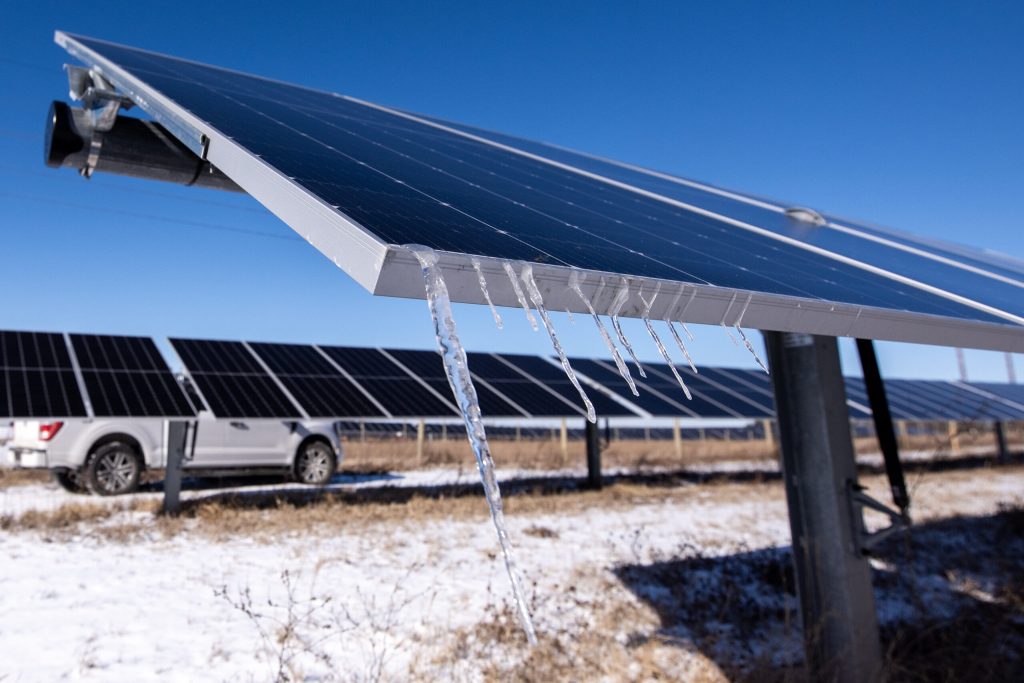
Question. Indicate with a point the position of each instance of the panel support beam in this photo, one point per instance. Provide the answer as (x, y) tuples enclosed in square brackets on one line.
[(592, 436), (884, 430), (833, 577)]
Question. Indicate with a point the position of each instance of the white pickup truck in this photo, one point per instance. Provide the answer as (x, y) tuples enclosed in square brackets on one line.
[(108, 456)]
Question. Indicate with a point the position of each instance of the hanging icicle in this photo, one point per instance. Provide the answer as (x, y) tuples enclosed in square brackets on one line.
[(575, 277), (620, 299), (487, 295)]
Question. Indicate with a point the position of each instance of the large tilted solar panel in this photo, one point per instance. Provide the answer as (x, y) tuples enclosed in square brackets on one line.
[(127, 377), (37, 377), (232, 381), (359, 181)]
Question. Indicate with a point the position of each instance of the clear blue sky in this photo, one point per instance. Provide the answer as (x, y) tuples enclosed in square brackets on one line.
[(906, 114)]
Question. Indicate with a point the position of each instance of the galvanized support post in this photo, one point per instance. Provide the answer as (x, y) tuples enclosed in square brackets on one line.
[(176, 432), (833, 577), (593, 438), (1001, 446)]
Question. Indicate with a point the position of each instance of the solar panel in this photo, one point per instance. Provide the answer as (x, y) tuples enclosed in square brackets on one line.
[(400, 392), (37, 377), (359, 181), (232, 381), (552, 378), (127, 377), (427, 365), (314, 382)]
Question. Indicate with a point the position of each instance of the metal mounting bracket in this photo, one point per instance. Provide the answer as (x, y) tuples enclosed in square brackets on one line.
[(859, 500), (102, 103)]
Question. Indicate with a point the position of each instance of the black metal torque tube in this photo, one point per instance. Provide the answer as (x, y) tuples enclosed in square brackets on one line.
[(132, 147)]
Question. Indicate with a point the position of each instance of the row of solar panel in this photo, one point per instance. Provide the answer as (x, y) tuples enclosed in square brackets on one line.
[(54, 375), (44, 374)]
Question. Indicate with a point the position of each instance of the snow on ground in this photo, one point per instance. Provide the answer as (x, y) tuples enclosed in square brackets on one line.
[(400, 597)]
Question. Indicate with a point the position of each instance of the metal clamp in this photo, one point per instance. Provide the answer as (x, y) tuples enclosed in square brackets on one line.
[(899, 520), (102, 103)]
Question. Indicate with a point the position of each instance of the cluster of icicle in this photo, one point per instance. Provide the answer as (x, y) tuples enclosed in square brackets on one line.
[(461, 381)]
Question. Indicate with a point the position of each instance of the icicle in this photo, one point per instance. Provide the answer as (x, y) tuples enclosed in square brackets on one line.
[(682, 322), (571, 319), (722, 323), (854, 321), (746, 342), (526, 273), (682, 346), (657, 340), (519, 294), (487, 295), (461, 382), (620, 298), (574, 284)]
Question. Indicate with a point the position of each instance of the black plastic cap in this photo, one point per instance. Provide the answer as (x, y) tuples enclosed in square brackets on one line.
[(61, 139)]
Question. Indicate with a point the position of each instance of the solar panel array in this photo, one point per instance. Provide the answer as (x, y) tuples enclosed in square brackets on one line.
[(48, 375), (359, 180), (51, 375)]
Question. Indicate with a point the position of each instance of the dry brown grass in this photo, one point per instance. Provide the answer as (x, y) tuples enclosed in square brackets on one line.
[(547, 454), (10, 477)]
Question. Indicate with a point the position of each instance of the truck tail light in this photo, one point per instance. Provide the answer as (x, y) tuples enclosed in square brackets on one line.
[(48, 430)]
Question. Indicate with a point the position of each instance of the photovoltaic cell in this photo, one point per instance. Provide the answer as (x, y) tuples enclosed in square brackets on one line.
[(316, 384), (553, 378), (398, 391), (37, 377), (395, 178), (232, 381), (429, 366)]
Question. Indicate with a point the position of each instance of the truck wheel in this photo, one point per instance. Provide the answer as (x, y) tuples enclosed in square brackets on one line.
[(70, 480), (315, 463), (113, 469)]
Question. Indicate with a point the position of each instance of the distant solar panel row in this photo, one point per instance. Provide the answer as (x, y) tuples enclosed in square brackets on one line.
[(121, 377), (128, 377)]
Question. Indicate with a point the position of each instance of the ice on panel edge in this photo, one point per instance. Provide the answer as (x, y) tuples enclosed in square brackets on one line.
[(457, 370)]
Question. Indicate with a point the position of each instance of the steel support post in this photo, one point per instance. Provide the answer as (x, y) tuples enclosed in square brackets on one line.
[(1001, 445), (833, 577), (593, 438), (176, 438)]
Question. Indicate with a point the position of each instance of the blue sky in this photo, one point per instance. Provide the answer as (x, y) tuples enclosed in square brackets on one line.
[(905, 114)]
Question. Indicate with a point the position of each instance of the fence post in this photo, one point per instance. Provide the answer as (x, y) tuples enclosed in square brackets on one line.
[(420, 432), (564, 437), (677, 438), (769, 437), (953, 432)]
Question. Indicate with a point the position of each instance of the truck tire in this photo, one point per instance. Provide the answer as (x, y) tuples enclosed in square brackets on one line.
[(113, 469), (315, 463), (71, 481)]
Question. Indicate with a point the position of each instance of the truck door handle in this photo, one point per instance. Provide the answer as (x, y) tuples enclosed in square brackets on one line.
[(239, 425)]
